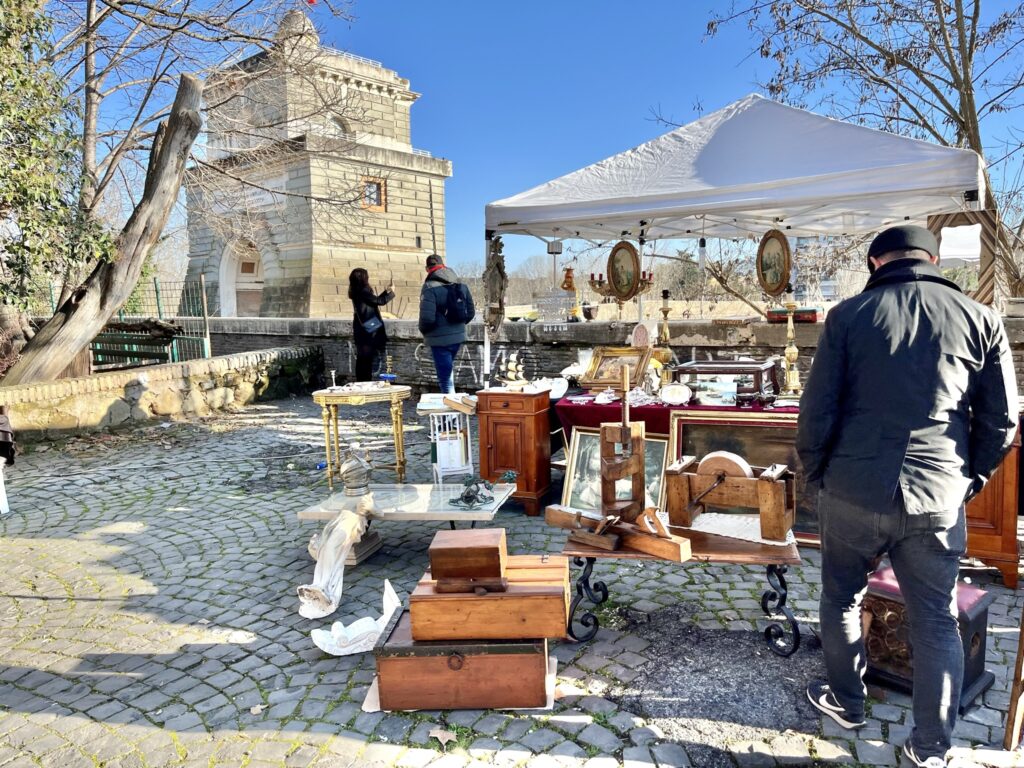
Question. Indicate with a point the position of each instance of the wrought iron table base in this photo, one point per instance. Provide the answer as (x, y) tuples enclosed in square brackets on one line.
[(596, 593), (773, 603), (783, 637)]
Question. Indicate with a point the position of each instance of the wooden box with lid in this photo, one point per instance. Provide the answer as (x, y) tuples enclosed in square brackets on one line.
[(535, 604)]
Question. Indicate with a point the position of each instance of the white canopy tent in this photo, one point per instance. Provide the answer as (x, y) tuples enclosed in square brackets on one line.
[(749, 167)]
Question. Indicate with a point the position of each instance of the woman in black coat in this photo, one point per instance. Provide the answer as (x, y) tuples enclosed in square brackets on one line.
[(367, 324)]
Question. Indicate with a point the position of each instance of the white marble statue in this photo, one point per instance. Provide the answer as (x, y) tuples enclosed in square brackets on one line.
[(330, 549)]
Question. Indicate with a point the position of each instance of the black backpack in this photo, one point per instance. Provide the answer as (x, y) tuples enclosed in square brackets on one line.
[(459, 305)]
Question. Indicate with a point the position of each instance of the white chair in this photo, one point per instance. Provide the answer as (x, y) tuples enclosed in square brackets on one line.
[(451, 449)]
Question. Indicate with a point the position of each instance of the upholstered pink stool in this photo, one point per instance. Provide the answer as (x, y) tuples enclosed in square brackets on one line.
[(886, 633)]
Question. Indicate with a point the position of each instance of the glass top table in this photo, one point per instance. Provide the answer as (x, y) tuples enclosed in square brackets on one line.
[(409, 501)]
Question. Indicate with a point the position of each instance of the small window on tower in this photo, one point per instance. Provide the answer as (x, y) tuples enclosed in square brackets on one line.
[(248, 267), (419, 241), (374, 195)]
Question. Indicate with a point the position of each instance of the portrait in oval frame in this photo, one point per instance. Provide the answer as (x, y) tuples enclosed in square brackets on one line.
[(624, 270), (774, 262)]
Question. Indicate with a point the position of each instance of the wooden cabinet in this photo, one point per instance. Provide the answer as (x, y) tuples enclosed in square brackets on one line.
[(992, 519), (515, 435)]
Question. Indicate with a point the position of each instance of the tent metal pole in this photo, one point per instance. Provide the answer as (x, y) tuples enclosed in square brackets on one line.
[(640, 296), (486, 367)]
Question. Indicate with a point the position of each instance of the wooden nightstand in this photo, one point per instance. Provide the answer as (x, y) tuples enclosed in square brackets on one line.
[(515, 435)]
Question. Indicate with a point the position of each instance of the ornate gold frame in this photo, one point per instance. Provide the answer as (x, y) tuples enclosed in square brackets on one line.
[(603, 354), (624, 293), (787, 254)]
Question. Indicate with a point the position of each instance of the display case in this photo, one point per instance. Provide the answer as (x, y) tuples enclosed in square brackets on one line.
[(754, 381)]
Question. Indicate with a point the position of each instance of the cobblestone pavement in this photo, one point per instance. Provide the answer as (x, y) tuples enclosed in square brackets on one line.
[(147, 618)]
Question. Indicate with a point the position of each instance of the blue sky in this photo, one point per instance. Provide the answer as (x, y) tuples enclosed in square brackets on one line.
[(517, 93)]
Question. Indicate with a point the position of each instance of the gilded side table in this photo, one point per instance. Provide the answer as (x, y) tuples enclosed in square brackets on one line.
[(330, 399)]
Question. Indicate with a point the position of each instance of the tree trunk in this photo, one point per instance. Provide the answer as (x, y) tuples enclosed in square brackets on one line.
[(79, 319)]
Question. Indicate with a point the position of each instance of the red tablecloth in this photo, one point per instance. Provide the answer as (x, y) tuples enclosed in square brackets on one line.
[(655, 417)]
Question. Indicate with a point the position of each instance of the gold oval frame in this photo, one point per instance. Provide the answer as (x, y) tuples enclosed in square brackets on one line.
[(624, 292), (776, 288)]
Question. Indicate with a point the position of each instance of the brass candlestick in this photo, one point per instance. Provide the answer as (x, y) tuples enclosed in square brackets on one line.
[(665, 309), (793, 388)]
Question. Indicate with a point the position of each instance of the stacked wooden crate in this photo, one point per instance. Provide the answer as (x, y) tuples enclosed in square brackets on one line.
[(475, 635)]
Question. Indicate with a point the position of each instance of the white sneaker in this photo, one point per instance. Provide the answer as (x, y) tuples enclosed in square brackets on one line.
[(929, 762)]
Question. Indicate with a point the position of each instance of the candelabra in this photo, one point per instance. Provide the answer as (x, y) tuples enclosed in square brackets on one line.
[(603, 287)]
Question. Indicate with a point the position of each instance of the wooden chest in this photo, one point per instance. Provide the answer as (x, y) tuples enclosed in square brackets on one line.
[(478, 553), (465, 675), (535, 605)]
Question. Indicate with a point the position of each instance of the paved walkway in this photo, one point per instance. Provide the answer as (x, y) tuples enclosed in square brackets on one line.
[(147, 618)]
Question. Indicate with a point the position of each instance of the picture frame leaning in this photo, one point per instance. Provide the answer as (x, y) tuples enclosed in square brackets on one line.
[(761, 437), (582, 486), (605, 368)]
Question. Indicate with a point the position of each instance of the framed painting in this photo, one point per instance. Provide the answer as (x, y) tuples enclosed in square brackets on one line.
[(774, 262), (624, 270), (605, 369), (582, 488), (760, 437)]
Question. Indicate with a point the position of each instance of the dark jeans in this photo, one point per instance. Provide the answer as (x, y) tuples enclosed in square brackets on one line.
[(926, 558), (444, 364), (366, 356)]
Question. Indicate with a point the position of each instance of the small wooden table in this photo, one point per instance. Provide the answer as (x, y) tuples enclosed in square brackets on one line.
[(329, 400), (706, 548), (420, 502)]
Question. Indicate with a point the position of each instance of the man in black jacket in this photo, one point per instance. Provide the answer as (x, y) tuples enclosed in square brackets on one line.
[(909, 408)]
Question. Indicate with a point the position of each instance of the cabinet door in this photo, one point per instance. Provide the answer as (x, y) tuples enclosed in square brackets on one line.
[(505, 445)]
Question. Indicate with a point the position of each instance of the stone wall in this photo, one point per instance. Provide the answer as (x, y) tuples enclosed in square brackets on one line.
[(194, 388), (546, 349)]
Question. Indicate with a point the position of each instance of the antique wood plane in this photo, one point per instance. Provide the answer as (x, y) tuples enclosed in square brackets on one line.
[(723, 479)]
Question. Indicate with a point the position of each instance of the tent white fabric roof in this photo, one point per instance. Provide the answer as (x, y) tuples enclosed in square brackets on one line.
[(751, 166)]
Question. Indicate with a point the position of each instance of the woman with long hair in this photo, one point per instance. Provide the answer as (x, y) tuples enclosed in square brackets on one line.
[(367, 324)]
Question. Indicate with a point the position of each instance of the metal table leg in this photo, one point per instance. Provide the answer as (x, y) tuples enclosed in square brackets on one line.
[(596, 593), (773, 603)]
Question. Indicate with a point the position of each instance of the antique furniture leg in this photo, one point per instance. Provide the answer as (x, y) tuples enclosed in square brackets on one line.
[(773, 602), (1015, 715), (325, 414), (596, 593), (396, 426), (1009, 571)]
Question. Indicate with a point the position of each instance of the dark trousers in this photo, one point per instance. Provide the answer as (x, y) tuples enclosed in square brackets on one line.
[(444, 364), (366, 356), (926, 558)]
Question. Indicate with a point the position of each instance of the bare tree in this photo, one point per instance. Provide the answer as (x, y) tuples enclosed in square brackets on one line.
[(932, 69), (82, 315)]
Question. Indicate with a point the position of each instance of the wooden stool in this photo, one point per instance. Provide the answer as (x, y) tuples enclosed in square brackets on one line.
[(886, 635)]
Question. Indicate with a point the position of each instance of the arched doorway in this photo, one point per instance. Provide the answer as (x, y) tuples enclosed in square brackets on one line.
[(241, 280)]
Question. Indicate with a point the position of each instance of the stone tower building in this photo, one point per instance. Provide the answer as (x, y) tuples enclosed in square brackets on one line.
[(309, 173)]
